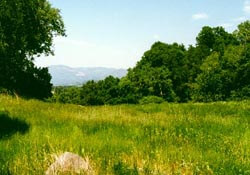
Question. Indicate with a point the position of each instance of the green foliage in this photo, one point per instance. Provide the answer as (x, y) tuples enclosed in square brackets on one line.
[(161, 72), (4, 91), (151, 99), (216, 69), (127, 93), (210, 82), (224, 77), (243, 32), (27, 29), (241, 94), (155, 82), (215, 39), (168, 138), (111, 90), (90, 94), (66, 95)]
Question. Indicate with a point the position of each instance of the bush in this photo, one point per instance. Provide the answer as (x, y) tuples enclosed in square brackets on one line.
[(151, 99), (4, 91), (242, 94)]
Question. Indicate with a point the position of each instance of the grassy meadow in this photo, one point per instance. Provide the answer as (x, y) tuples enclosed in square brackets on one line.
[(193, 138)]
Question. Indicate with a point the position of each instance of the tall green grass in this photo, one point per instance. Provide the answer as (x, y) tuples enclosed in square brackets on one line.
[(160, 139)]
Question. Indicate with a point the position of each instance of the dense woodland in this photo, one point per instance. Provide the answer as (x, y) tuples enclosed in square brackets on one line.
[(217, 68)]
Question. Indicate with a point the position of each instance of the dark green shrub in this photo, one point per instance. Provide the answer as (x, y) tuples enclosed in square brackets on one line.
[(151, 99), (122, 169), (241, 94)]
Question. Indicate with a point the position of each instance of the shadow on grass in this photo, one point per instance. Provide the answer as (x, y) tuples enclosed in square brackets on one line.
[(9, 126)]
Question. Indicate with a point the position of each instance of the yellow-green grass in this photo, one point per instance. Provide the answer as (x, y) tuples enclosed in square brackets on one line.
[(192, 138)]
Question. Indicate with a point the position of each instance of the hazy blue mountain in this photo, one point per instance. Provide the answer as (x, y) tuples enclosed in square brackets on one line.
[(67, 76)]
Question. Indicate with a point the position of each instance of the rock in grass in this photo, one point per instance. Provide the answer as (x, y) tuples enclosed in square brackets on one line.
[(69, 163)]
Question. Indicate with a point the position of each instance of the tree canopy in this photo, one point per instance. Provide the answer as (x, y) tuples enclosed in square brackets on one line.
[(216, 68), (27, 29)]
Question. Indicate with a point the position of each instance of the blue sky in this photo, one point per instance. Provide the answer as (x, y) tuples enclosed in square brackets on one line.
[(116, 33)]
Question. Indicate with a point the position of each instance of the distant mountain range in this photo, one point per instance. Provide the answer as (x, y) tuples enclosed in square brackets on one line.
[(68, 76)]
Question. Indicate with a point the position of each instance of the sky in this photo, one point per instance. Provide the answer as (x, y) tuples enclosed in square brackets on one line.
[(116, 33)]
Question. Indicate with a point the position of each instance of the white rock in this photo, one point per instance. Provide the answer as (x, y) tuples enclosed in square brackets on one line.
[(69, 163)]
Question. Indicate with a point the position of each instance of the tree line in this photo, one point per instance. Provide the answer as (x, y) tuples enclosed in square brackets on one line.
[(217, 68)]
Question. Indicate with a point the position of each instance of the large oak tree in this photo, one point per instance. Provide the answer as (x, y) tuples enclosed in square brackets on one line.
[(27, 28)]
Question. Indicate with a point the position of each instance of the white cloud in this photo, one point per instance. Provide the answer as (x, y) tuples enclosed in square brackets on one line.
[(227, 25), (232, 24), (200, 16), (156, 37), (240, 19), (247, 6)]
